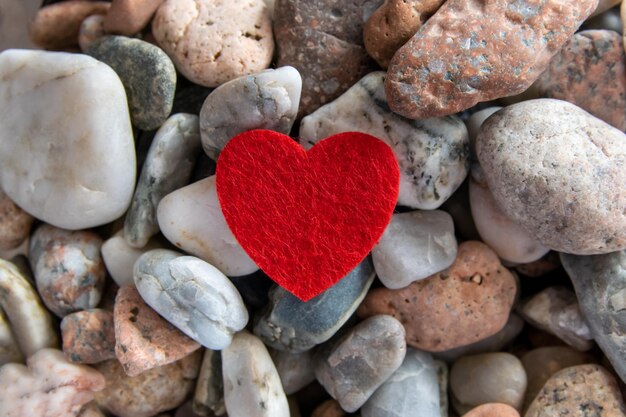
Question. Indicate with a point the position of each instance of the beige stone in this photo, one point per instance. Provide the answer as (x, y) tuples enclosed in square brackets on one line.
[(14, 223)]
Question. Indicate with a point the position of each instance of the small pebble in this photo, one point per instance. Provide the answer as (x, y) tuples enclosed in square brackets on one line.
[(294, 369), (329, 408), (492, 410), (208, 398), (129, 17), (9, 348), (88, 336), (475, 121), (91, 31), (14, 223), (119, 257)]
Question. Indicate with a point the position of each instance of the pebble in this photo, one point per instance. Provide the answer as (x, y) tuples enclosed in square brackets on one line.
[(290, 324), (579, 391), (467, 302), (602, 300), (68, 268), (49, 386), (119, 257), (487, 378), (590, 71), (208, 398), (548, 163), (323, 40), (492, 410), (192, 295), (497, 50), (475, 121), (91, 31), (14, 223), (57, 26), (433, 154), (212, 42), (16, 15), (150, 392), (91, 410), (329, 408), (144, 340), (442, 381), (168, 167), (148, 76), (542, 266), (191, 218), (79, 153), (294, 369), (411, 391), (129, 17), (393, 24), (362, 360), (607, 20), (252, 386), (266, 100), (604, 5), (88, 336), (9, 349), (414, 246)]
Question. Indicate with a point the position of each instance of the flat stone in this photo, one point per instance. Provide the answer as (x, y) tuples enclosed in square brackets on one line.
[(251, 383), (208, 398), (212, 42), (590, 71), (290, 324), (579, 391), (362, 360), (129, 17), (143, 339), (68, 268), (266, 100), (294, 369), (548, 165), (192, 295), (88, 336), (168, 167), (411, 391), (91, 31), (14, 223), (467, 302), (492, 410), (414, 246), (80, 153), (433, 154), (119, 257), (191, 218)]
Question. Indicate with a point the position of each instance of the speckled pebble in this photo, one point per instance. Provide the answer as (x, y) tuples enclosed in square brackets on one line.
[(14, 223), (88, 336)]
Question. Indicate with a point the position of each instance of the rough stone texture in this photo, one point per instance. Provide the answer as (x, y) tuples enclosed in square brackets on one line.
[(294, 369), (550, 166), (56, 26), (128, 17), (359, 362), (267, 100), (143, 339), (208, 398), (579, 391), (251, 383), (479, 50), (290, 324), (590, 71), (463, 304), (91, 31), (487, 378), (492, 410), (168, 167), (119, 257), (49, 387), (329, 408), (600, 284), (433, 154), (88, 336), (393, 24), (323, 40), (212, 42), (149, 393), (14, 223)]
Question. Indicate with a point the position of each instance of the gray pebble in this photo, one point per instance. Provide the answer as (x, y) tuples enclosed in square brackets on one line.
[(208, 397), (295, 369), (442, 380)]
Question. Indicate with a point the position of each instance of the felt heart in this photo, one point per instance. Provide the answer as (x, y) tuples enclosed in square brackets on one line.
[(307, 218)]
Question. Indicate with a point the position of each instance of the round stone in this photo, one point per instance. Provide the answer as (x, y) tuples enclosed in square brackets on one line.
[(88, 336), (492, 410)]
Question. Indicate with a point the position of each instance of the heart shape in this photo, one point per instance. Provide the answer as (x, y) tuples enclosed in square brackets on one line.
[(307, 218)]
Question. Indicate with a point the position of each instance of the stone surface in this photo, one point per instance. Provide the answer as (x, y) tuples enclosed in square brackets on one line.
[(56, 26), (88, 336), (119, 257), (414, 246), (475, 121), (148, 76), (191, 218), (168, 167), (604, 5), (149, 393), (579, 391), (68, 268), (16, 15), (212, 42), (411, 391), (266, 100), (492, 410), (91, 31), (329, 408), (433, 154), (14, 223), (290, 324), (9, 349), (79, 153), (208, 398), (600, 284), (251, 383), (192, 295), (143, 339), (294, 369), (487, 378), (467, 302), (499, 48), (540, 267), (442, 382), (549, 165), (323, 40), (128, 17), (590, 71), (362, 360), (49, 387)]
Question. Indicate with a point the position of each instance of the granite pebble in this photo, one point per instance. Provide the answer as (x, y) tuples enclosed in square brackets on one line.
[(14, 223), (88, 336)]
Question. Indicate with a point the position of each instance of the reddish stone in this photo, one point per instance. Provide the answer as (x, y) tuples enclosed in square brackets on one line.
[(128, 17), (492, 410), (329, 408), (14, 223), (88, 336)]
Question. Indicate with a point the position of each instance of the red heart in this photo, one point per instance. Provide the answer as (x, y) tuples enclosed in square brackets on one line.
[(307, 218)]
